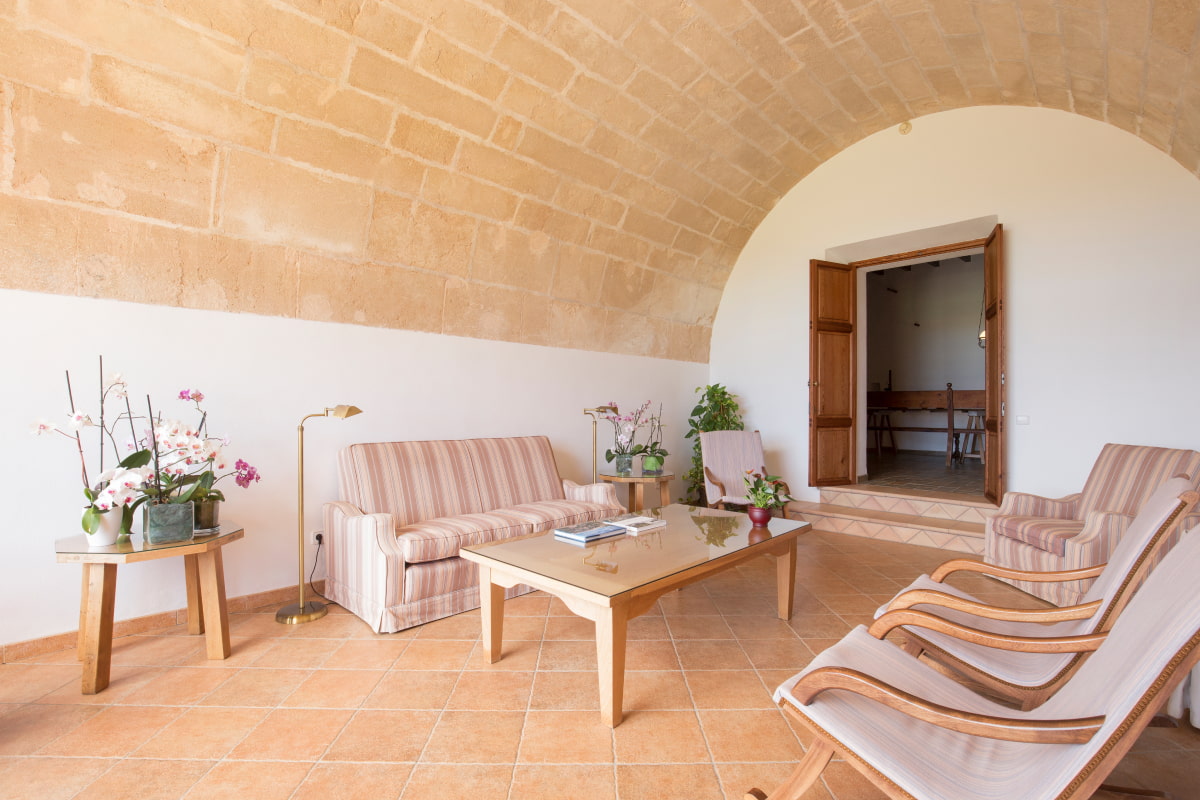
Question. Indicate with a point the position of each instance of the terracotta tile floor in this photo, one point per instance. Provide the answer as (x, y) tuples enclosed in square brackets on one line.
[(331, 710)]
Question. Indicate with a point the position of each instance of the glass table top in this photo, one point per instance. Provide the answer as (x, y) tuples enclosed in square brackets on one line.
[(692, 536), (135, 543)]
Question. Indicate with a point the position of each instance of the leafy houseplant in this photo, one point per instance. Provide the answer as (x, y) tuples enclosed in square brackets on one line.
[(765, 492), (717, 410)]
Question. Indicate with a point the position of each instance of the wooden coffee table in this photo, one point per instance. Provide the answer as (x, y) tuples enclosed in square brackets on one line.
[(615, 580)]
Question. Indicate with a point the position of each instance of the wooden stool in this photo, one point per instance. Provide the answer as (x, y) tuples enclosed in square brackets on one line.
[(881, 422), (974, 441)]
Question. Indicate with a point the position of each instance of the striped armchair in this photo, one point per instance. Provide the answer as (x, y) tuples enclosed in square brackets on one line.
[(1081, 530), (407, 508)]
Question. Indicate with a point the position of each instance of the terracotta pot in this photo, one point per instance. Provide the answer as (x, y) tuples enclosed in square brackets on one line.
[(759, 516)]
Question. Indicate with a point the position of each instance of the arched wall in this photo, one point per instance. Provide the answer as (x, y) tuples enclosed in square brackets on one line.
[(1101, 248)]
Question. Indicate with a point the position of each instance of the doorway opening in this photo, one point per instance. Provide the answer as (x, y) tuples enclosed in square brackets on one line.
[(839, 419), (925, 375)]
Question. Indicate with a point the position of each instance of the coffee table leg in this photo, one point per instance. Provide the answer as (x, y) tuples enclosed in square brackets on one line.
[(212, 594), (97, 632), (610, 658), (785, 579), (491, 610)]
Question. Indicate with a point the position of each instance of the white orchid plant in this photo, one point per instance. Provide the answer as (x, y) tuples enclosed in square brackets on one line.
[(625, 428), (171, 463)]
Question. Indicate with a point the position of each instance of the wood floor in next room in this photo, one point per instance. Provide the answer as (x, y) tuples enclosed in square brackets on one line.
[(330, 710)]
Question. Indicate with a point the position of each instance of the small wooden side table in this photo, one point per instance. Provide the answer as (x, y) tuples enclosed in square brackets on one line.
[(638, 481), (203, 571)]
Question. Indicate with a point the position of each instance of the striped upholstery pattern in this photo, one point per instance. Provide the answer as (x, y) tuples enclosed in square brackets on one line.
[(1126, 680), (408, 507), (1111, 588), (412, 481), (1119, 483), (727, 455), (514, 471), (439, 538)]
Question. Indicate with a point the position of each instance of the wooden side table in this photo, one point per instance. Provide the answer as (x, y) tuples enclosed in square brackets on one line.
[(204, 573), (637, 486)]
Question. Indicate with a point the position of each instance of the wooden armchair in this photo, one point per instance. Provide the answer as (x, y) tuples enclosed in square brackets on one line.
[(726, 456), (1027, 655), (916, 733), (1041, 534)]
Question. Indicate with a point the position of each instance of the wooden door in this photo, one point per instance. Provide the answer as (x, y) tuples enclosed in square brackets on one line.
[(994, 416), (832, 376)]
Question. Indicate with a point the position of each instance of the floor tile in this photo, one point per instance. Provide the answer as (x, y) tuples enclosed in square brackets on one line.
[(412, 689), (477, 737), (48, 778), (668, 782), (492, 691), (202, 733), (729, 689), (749, 736), (565, 690), (544, 742), (383, 736), (354, 782), (115, 731), (459, 782), (146, 779), (256, 687), (262, 780), (292, 734), (547, 782), (343, 688), (660, 737), (31, 727)]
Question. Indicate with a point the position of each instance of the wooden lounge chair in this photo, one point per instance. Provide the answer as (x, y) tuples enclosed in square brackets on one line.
[(918, 734), (1022, 654), (726, 456)]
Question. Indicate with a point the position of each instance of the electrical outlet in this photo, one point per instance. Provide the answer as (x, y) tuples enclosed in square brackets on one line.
[(318, 537)]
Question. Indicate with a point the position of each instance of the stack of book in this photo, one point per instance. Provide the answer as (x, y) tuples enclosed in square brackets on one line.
[(588, 532)]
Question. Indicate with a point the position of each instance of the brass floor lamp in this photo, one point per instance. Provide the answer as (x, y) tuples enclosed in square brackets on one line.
[(592, 412), (313, 609)]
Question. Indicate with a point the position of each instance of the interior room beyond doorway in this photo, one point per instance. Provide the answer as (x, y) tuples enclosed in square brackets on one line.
[(924, 326)]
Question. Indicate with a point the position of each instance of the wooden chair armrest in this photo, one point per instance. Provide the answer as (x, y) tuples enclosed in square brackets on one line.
[(1025, 644), (708, 473), (1052, 731), (970, 565), (915, 597)]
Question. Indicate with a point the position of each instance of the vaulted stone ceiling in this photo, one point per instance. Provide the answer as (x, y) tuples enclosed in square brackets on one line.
[(579, 173)]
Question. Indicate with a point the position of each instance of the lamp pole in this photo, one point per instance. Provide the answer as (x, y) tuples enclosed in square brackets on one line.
[(311, 610)]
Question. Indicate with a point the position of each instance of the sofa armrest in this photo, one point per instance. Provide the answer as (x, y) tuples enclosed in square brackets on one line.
[(1019, 504), (603, 492), (1102, 530), (364, 562)]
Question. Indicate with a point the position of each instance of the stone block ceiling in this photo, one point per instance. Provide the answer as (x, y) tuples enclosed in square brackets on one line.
[(578, 173)]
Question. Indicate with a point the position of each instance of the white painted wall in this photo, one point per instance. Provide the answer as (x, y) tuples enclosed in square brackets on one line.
[(1101, 241), (261, 375), (925, 332)]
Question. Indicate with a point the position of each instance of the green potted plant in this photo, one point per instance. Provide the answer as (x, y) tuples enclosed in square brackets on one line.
[(766, 492), (717, 410)]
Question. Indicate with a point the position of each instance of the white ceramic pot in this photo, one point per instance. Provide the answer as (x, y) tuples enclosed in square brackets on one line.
[(108, 531)]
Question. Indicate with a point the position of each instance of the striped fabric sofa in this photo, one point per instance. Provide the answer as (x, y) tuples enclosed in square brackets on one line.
[(407, 508), (1029, 532)]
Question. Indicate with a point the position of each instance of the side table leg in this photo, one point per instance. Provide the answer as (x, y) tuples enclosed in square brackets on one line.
[(81, 636), (638, 501), (212, 594), (664, 493), (610, 658), (97, 630), (785, 579), (195, 607), (491, 612)]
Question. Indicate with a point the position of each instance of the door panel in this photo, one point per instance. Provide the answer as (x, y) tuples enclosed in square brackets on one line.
[(994, 359), (832, 374)]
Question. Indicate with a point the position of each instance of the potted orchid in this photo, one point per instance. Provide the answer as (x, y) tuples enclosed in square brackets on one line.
[(654, 452), (765, 492), (625, 446), (117, 490), (187, 464)]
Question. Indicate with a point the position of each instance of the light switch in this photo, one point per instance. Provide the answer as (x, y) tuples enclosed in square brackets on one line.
[(1022, 419)]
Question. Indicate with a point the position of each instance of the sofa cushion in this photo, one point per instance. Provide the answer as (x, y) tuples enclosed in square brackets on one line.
[(438, 578), (1050, 535), (554, 513), (435, 539), (1125, 476), (515, 470), (412, 481)]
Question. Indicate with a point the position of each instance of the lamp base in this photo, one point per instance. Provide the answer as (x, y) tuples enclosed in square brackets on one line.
[(294, 614)]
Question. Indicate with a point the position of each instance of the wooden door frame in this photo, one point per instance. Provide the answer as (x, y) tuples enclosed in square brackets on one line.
[(995, 382)]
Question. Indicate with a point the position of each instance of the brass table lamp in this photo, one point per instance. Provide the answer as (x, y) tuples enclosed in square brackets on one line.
[(308, 611), (592, 412)]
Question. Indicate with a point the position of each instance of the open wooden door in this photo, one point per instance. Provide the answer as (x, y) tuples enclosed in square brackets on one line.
[(994, 415), (832, 374)]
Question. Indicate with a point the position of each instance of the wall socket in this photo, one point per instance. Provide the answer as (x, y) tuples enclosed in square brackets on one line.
[(318, 537)]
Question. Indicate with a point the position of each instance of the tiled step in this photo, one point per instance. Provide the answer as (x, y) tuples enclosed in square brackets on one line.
[(951, 523)]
